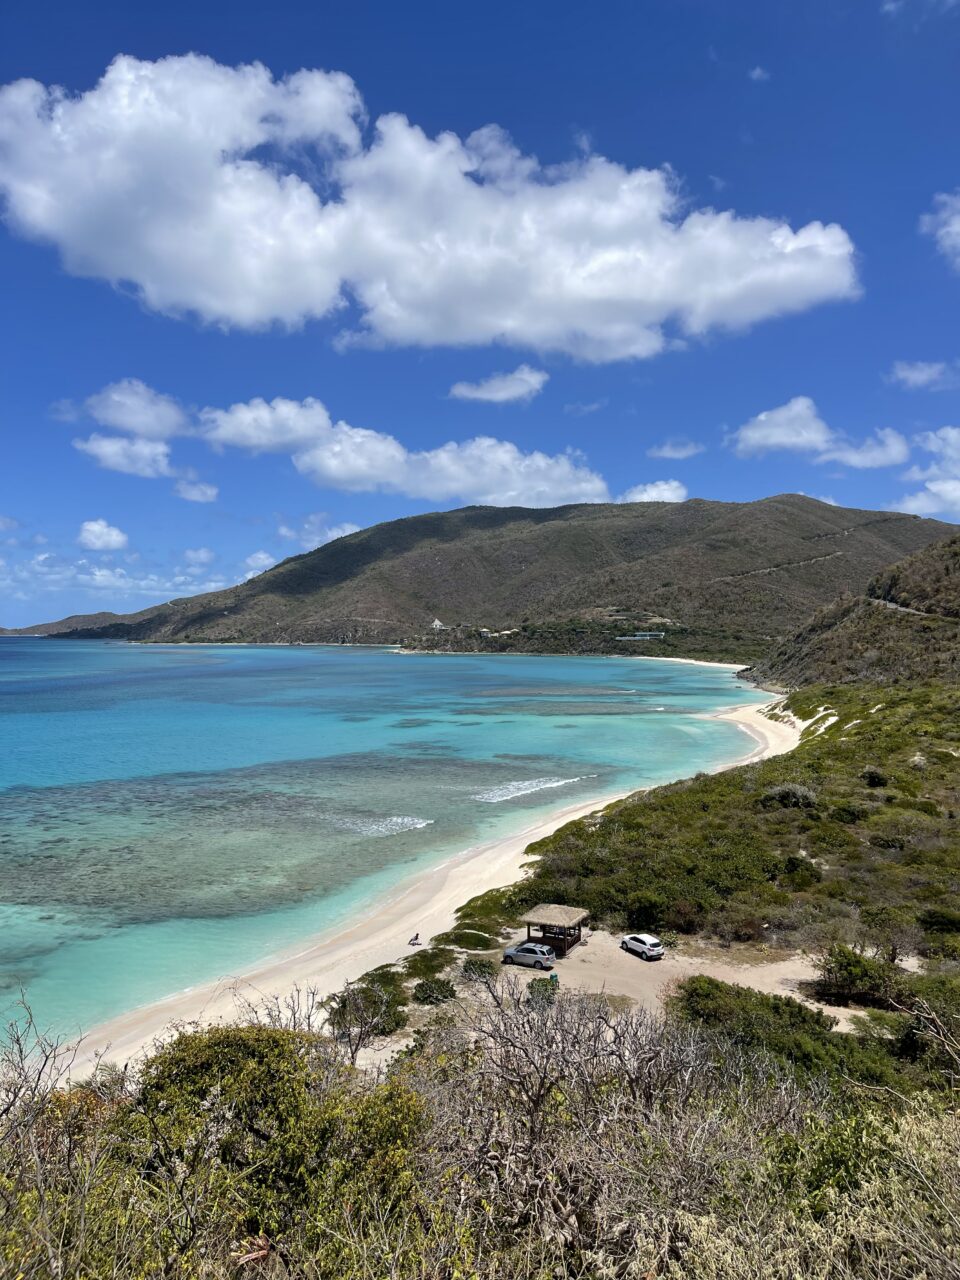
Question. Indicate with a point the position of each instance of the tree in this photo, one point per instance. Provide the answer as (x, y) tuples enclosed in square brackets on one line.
[(890, 932), (360, 1013)]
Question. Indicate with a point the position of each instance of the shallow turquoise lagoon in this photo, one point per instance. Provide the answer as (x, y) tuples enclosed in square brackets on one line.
[(172, 813)]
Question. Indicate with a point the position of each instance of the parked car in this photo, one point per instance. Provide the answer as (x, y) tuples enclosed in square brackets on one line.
[(534, 954), (643, 944)]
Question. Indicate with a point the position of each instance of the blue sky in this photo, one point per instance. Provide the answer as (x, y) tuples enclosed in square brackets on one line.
[(273, 274)]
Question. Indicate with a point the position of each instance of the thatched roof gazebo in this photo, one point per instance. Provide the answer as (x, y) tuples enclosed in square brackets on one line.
[(556, 926)]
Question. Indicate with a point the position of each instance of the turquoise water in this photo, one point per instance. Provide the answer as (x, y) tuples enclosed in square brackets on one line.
[(169, 814)]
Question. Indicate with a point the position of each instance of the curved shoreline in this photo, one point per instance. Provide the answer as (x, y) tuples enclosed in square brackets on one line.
[(426, 904)]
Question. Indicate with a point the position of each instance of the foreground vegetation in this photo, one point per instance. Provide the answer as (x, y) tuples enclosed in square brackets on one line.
[(535, 1137)]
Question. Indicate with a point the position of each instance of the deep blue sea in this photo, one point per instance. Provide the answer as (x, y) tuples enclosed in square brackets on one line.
[(169, 814)]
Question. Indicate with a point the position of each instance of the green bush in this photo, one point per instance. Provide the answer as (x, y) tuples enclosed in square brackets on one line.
[(467, 939), (429, 962), (940, 920), (847, 813), (542, 990), (382, 997), (846, 975), (942, 946), (799, 1036), (873, 776), (434, 991), (479, 969), (788, 795), (799, 872)]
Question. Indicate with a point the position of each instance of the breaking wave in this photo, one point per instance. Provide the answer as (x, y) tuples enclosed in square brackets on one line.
[(510, 790), (391, 826)]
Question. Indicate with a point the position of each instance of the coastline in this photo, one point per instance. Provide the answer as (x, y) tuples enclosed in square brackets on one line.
[(426, 904), (497, 653)]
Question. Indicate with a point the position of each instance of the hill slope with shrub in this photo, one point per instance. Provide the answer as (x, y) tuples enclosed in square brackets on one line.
[(859, 824), (744, 572), (906, 626)]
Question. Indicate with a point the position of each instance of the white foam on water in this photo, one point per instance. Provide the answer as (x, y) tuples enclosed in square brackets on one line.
[(510, 790), (391, 826)]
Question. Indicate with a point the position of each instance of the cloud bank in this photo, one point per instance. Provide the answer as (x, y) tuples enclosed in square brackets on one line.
[(337, 455), (244, 200)]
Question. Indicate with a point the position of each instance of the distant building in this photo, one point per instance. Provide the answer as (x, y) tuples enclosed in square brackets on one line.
[(437, 625), (644, 635)]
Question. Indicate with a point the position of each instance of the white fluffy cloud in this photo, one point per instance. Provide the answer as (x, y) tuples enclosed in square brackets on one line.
[(97, 535), (244, 200), (940, 479), (316, 531), (798, 427), (656, 491), (502, 388), (482, 470), (147, 458), (888, 448), (925, 375), (758, 74), (337, 455), (795, 425), (191, 489), (267, 427), (149, 419), (198, 556), (358, 460), (943, 223), (675, 450), (258, 562), (130, 405)]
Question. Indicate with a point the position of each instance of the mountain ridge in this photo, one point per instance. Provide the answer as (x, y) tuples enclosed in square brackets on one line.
[(759, 568)]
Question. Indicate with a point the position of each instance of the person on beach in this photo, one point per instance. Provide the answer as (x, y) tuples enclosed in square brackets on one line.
[(414, 941)]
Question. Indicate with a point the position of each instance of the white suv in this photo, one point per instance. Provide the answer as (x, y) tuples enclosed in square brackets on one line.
[(534, 954), (643, 944)]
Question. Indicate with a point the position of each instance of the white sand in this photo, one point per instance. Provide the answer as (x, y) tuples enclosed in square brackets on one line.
[(426, 904), (602, 966)]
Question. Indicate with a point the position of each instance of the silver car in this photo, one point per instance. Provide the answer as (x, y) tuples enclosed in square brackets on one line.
[(533, 954)]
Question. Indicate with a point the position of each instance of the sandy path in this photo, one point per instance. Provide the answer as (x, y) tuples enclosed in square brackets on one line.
[(601, 965), (425, 904)]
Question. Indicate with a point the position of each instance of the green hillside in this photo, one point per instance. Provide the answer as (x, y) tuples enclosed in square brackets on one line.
[(724, 579), (905, 627)]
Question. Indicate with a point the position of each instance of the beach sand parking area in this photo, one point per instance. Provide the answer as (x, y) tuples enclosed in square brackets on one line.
[(600, 966)]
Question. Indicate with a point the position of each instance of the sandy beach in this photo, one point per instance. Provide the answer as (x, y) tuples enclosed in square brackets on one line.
[(425, 904)]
